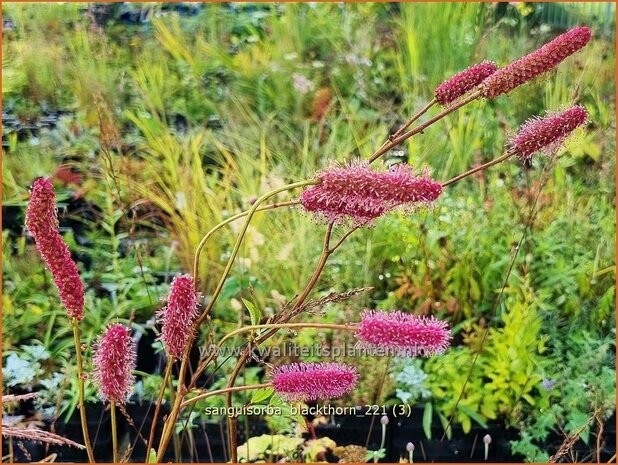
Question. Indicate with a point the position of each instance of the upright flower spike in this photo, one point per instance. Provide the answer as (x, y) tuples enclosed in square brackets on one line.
[(357, 193), (547, 134), (536, 63), (42, 223), (402, 334), (311, 381), (114, 362), (463, 82), (178, 315)]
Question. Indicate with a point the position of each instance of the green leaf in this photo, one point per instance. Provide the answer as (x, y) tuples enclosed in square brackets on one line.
[(255, 314), (427, 417), (152, 456), (472, 414), (444, 421), (262, 394)]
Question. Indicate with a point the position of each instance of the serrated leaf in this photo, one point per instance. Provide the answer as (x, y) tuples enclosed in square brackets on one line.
[(262, 394), (427, 417), (152, 456), (254, 313)]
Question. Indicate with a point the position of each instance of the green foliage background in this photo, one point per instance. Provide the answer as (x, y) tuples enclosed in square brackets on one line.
[(178, 121)]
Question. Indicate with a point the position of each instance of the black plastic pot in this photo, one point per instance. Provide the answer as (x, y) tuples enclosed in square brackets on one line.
[(99, 427), (13, 219), (24, 451), (366, 430), (141, 414), (360, 429), (208, 443), (147, 360)]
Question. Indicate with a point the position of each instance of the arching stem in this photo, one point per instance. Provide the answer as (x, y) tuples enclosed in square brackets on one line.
[(208, 235), (226, 390)]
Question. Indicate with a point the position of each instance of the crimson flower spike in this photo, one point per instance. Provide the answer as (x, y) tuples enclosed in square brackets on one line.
[(311, 381), (403, 334), (536, 63), (547, 134), (178, 315), (463, 82), (359, 194), (42, 223), (114, 362)]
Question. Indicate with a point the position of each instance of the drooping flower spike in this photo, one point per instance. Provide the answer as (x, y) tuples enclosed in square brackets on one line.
[(536, 63), (311, 381), (354, 192), (42, 223), (463, 82), (402, 334), (178, 315), (114, 362), (548, 133)]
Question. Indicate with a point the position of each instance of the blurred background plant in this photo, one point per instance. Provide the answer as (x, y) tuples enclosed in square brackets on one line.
[(156, 121)]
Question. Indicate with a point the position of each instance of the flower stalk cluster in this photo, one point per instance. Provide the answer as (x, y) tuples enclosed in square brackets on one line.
[(351, 194)]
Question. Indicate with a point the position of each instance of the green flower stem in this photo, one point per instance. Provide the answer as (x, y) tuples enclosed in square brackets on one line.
[(114, 433), (241, 236), (82, 393), (166, 377)]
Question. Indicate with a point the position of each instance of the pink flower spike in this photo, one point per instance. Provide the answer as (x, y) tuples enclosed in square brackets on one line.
[(311, 381), (463, 82), (536, 63), (114, 362), (357, 193), (178, 315), (547, 134), (42, 223), (402, 334)]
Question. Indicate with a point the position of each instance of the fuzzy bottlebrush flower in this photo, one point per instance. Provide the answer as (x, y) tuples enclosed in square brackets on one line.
[(463, 82), (538, 62), (114, 362), (403, 334), (311, 381), (547, 134), (42, 222), (178, 315), (355, 192)]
